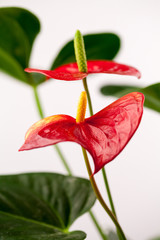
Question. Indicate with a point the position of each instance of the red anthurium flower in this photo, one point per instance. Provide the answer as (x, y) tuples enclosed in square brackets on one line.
[(104, 135), (70, 72)]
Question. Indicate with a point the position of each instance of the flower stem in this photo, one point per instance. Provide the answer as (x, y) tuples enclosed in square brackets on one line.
[(99, 196), (81, 59), (88, 96), (65, 164), (38, 104), (103, 169), (110, 198), (108, 192), (104, 237)]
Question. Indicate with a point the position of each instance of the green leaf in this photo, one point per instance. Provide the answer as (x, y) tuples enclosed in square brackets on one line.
[(98, 46), (10, 66), (18, 228), (42, 205), (152, 93), (18, 29)]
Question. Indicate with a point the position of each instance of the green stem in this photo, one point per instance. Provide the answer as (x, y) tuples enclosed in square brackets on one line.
[(81, 59), (99, 196), (38, 102), (110, 197), (88, 96), (108, 192), (104, 237), (40, 111), (103, 169)]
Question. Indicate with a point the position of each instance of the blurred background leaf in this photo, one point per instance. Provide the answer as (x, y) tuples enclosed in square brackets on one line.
[(18, 30), (152, 93), (112, 235)]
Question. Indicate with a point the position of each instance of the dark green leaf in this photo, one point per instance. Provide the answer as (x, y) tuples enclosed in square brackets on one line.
[(18, 29), (47, 199), (117, 90), (28, 21), (18, 228), (152, 93), (98, 46), (10, 66)]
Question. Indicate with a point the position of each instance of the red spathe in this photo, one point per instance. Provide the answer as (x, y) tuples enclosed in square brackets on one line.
[(70, 72), (104, 135)]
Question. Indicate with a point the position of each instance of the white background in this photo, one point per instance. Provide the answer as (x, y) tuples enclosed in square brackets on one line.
[(134, 175)]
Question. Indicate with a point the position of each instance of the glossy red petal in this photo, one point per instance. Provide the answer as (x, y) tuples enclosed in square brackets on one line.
[(59, 75), (101, 66), (116, 125), (104, 135), (49, 131), (112, 68), (69, 72)]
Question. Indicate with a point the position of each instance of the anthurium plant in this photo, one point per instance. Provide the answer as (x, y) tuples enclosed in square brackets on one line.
[(41, 206)]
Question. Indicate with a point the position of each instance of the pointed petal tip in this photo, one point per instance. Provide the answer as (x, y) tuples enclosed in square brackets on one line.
[(139, 75), (30, 70), (27, 69), (21, 148), (24, 147)]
